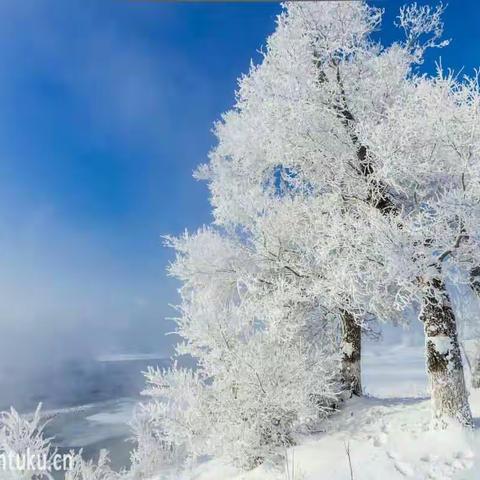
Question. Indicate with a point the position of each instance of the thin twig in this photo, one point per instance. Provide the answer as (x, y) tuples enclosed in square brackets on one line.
[(347, 451)]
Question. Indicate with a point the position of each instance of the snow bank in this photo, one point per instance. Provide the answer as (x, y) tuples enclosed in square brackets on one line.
[(388, 438)]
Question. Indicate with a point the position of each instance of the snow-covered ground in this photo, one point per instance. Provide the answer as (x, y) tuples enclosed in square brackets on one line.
[(387, 433)]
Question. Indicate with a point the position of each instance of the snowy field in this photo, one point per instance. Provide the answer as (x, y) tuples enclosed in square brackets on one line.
[(387, 433)]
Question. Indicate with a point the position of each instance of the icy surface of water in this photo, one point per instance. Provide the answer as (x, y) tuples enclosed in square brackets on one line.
[(94, 427)]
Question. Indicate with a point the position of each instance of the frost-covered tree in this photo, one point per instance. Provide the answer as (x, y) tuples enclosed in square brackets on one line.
[(303, 129), (294, 134), (343, 188)]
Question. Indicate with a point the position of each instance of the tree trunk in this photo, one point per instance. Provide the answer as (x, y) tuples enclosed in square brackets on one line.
[(475, 363), (443, 358), (351, 355), (475, 279), (476, 373)]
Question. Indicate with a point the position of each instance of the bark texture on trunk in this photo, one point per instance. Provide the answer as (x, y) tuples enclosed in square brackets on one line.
[(475, 284), (476, 373), (443, 358), (351, 355), (475, 279)]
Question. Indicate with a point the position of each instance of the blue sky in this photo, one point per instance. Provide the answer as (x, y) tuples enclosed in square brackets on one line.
[(106, 107)]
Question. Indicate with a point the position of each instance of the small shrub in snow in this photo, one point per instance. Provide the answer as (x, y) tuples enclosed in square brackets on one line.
[(90, 470), (248, 412), (22, 438)]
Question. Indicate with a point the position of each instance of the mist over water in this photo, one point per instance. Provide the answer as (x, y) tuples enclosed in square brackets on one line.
[(76, 382), (66, 299)]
